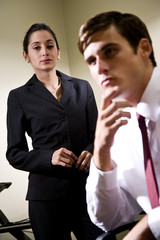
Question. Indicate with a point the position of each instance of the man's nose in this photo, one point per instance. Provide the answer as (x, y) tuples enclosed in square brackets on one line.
[(102, 66)]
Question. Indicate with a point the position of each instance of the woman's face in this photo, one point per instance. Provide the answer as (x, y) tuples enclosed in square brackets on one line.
[(42, 51)]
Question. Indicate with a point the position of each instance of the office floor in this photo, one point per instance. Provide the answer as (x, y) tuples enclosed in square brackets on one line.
[(8, 236)]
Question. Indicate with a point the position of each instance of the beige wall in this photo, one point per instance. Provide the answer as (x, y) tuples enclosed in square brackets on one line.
[(65, 17), (16, 16)]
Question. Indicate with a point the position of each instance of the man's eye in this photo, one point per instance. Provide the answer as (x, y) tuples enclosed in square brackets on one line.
[(91, 61), (110, 52)]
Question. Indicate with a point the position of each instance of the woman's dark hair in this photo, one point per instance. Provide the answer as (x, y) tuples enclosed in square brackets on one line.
[(37, 27), (128, 25)]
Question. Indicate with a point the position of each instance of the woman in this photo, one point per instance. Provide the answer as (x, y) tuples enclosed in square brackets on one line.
[(59, 113)]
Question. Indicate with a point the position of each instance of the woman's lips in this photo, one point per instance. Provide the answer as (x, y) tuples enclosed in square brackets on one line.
[(46, 60)]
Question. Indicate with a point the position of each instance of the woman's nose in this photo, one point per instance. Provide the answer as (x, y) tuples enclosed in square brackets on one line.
[(44, 51)]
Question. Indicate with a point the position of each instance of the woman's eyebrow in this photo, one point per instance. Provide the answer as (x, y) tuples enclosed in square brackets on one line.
[(37, 42), (50, 40)]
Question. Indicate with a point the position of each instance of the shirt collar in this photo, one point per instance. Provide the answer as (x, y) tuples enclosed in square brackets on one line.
[(149, 105)]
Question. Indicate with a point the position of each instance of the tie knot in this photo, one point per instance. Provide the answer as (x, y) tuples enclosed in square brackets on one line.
[(141, 120), (139, 116)]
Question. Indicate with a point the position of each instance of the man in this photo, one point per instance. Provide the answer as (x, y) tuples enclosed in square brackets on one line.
[(118, 51)]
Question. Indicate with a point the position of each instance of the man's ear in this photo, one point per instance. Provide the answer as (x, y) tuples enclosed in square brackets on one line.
[(145, 48), (25, 55)]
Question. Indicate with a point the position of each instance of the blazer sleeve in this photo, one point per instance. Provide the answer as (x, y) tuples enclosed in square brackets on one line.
[(18, 154), (91, 114)]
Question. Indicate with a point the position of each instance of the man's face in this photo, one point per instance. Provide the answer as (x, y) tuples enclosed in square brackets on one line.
[(112, 62)]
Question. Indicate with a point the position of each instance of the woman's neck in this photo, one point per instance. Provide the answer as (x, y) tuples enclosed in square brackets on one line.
[(49, 79)]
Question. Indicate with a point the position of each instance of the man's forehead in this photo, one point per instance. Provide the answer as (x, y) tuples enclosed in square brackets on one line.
[(104, 35), (102, 38)]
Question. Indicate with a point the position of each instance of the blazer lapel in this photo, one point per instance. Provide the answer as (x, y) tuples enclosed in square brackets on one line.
[(66, 91), (67, 87), (39, 89)]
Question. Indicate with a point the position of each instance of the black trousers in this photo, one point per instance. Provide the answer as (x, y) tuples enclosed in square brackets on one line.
[(56, 220)]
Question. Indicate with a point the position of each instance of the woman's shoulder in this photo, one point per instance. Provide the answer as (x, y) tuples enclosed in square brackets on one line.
[(29, 83), (69, 78), (75, 80)]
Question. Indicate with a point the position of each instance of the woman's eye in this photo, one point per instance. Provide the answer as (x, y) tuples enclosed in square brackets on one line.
[(50, 46), (36, 48)]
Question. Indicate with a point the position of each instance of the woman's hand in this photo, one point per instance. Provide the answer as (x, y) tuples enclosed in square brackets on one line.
[(83, 161), (64, 157)]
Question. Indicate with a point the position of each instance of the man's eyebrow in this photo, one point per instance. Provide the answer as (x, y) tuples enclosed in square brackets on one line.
[(107, 45)]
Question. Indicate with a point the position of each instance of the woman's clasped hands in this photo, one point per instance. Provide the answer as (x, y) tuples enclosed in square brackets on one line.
[(66, 158)]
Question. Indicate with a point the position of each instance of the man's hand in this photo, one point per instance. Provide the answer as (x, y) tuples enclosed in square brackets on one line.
[(141, 231), (110, 118)]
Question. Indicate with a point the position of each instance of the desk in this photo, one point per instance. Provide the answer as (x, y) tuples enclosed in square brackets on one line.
[(14, 228)]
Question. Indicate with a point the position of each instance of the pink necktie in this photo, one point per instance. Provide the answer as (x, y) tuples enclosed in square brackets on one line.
[(149, 169)]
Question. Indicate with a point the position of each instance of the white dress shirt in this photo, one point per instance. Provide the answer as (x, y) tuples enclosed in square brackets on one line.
[(116, 197)]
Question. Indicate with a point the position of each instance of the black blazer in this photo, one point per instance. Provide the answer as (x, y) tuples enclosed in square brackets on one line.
[(32, 109)]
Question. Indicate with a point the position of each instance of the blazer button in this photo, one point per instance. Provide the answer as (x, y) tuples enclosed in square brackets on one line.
[(63, 118), (66, 140)]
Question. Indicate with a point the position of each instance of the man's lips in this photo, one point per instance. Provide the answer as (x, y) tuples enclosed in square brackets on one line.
[(106, 81)]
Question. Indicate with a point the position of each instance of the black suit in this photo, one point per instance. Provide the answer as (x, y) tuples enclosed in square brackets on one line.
[(51, 125)]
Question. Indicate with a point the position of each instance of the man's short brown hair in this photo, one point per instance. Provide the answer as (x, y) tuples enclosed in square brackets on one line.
[(128, 25)]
